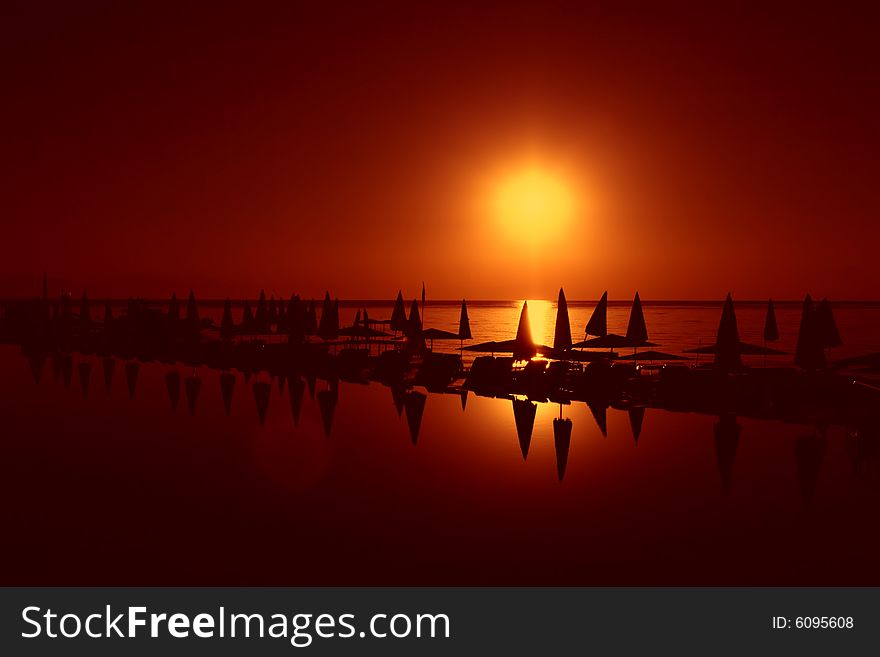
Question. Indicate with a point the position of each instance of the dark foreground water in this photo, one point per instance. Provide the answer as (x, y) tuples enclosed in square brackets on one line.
[(101, 488)]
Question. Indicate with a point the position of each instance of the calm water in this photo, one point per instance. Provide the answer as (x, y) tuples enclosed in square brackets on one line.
[(107, 489)]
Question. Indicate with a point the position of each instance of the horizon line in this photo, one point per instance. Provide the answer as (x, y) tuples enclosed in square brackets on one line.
[(391, 301)]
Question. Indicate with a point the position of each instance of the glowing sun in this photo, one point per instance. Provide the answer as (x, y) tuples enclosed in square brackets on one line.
[(533, 201)]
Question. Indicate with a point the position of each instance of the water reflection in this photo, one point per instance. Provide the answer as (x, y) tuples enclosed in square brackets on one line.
[(562, 442), (524, 418), (409, 402), (327, 400)]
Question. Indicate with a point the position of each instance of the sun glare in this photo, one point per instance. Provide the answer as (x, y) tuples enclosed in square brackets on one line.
[(533, 201), (540, 319)]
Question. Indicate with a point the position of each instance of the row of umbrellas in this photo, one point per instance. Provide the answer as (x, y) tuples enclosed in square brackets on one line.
[(636, 334), (818, 332)]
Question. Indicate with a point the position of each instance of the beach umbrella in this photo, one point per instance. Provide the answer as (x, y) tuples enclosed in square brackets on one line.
[(598, 324), (464, 323), (328, 329), (728, 348), (438, 334), (524, 328), (398, 314), (826, 327), (294, 311), (227, 326), (261, 316), (281, 316), (562, 332), (727, 354), (423, 301), (247, 319), (414, 338), (295, 321), (192, 310), (273, 311), (311, 320), (636, 330), (771, 329), (809, 353)]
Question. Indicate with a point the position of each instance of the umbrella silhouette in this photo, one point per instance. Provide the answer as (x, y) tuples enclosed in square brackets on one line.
[(524, 418)]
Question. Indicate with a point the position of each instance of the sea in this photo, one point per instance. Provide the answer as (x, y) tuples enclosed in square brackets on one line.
[(104, 487)]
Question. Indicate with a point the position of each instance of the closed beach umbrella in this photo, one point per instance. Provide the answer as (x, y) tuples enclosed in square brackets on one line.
[(771, 329), (809, 353), (398, 315), (598, 324), (464, 323), (826, 327), (192, 310), (636, 330), (227, 326), (562, 333)]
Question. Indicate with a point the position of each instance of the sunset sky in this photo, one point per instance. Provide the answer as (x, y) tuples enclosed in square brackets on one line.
[(494, 153)]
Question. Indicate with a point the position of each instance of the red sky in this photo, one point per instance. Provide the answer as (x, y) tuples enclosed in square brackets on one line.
[(150, 149)]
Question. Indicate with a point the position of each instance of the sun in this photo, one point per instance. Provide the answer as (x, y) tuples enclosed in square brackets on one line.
[(533, 201)]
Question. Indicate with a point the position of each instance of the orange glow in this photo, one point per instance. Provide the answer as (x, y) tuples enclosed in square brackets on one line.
[(532, 203), (541, 320)]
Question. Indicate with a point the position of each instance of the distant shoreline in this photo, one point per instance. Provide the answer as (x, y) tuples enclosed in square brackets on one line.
[(353, 303)]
